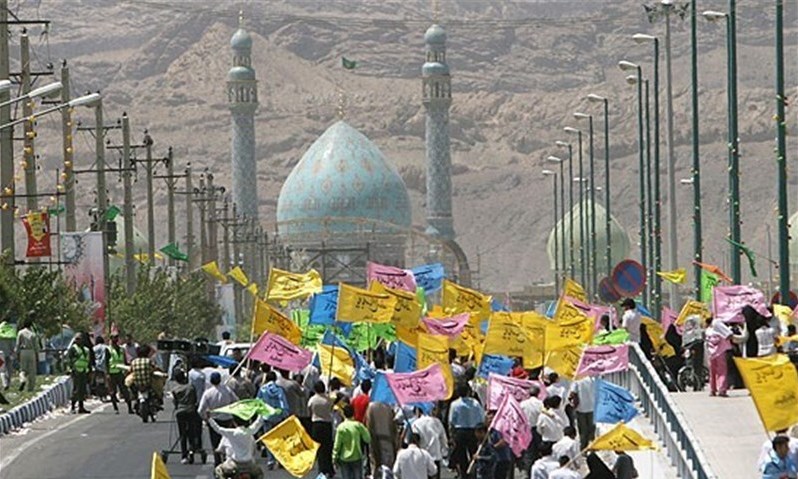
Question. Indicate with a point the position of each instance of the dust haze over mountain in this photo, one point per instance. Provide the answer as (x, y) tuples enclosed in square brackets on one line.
[(520, 69)]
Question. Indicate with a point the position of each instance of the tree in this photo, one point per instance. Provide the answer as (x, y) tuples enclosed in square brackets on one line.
[(178, 306)]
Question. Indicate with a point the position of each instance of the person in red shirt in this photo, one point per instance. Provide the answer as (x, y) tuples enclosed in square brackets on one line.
[(361, 402)]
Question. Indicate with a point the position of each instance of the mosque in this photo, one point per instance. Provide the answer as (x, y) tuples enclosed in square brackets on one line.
[(344, 203)]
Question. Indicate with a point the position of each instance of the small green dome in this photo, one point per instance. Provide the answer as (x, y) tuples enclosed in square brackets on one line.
[(239, 73), (434, 68), (241, 40), (435, 35)]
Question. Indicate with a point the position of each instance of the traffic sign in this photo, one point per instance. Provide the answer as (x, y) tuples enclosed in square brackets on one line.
[(629, 278)]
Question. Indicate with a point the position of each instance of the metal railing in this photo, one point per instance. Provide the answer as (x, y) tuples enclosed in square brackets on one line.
[(668, 421)]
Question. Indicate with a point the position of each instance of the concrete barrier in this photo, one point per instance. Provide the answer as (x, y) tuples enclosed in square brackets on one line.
[(55, 395)]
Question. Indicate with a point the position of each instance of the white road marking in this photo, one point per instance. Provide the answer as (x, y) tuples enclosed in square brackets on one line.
[(8, 459)]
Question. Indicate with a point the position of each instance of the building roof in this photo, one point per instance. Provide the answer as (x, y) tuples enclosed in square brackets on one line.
[(342, 181), (241, 73), (435, 35), (241, 40)]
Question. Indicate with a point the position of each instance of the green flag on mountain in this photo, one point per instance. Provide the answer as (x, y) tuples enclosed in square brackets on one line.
[(749, 253), (247, 408), (708, 281), (172, 251), (348, 64), (112, 212)]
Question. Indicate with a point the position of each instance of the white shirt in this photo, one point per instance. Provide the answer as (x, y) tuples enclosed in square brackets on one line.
[(550, 426), (239, 442), (214, 398), (565, 447), (766, 338), (543, 467), (532, 407), (564, 473), (432, 436), (585, 391), (767, 447), (630, 321), (414, 463)]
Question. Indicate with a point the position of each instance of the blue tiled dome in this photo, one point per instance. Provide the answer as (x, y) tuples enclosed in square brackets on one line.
[(241, 40), (434, 68), (435, 35), (240, 73), (343, 175)]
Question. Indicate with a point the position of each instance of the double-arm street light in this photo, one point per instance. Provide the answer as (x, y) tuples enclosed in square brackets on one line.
[(733, 139), (592, 224), (561, 162), (608, 219), (572, 262), (556, 234), (582, 252)]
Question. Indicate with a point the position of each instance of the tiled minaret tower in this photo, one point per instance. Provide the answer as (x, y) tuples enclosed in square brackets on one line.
[(242, 97), (437, 97)]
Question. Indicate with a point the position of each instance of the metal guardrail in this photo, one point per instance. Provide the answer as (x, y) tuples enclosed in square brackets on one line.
[(669, 423)]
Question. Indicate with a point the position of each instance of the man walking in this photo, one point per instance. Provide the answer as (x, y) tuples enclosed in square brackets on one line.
[(465, 414), (27, 348), (216, 396), (116, 375), (582, 397), (78, 358), (348, 445)]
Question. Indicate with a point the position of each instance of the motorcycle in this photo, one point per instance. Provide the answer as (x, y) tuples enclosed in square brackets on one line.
[(693, 374), (147, 405)]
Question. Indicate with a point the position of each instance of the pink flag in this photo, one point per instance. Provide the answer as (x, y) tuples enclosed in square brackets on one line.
[(391, 277), (501, 386), (513, 424), (451, 326), (419, 386), (597, 311), (669, 317), (280, 353), (598, 360), (728, 302)]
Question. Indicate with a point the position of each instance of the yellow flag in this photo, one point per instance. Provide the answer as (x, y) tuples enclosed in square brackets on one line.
[(267, 318), (238, 274), (784, 313), (357, 305), (407, 311), (212, 269), (773, 383), (534, 325), (572, 327), (337, 362), (572, 289), (692, 308), (253, 289), (159, 470), (520, 334), (434, 349), (564, 361), (781, 340), (145, 258), (292, 446), (567, 312), (458, 299), (286, 286), (657, 336), (407, 335), (677, 276), (622, 438)]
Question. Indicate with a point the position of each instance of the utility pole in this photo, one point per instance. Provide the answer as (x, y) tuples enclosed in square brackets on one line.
[(102, 202), (29, 155), (150, 209), (213, 238), (201, 200), (237, 289), (68, 151), (127, 167), (225, 234), (189, 220), (6, 144), (170, 203)]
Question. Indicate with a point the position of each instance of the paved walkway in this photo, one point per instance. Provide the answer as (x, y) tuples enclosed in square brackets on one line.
[(728, 431)]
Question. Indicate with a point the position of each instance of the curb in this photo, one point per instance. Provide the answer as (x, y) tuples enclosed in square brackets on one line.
[(56, 395)]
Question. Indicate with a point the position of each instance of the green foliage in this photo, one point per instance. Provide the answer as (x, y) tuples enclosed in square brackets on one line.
[(41, 295), (179, 306)]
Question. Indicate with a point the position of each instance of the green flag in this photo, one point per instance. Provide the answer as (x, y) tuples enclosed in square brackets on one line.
[(348, 64), (619, 336), (749, 253), (708, 281), (172, 251), (55, 211), (311, 333), (8, 330), (247, 408), (112, 212)]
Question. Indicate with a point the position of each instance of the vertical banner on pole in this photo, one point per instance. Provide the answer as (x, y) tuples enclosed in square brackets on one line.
[(37, 228), (82, 254), (225, 298)]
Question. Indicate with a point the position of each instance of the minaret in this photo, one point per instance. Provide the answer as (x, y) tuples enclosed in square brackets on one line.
[(437, 97), (242, 96)]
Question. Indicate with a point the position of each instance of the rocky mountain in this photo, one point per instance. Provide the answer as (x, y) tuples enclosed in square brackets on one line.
[(520, 69)]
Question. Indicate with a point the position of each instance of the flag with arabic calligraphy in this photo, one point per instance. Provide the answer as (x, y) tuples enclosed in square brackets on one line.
[(773, 383), (419, 386), (513, 424), (287, 286), (391, 277), (278, 352), (598, 360), (356, 305)]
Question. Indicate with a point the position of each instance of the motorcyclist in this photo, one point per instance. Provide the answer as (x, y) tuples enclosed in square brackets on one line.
[(239, 446), (142, 372)]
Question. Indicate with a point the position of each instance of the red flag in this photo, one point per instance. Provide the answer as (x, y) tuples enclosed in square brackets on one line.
[(713, 269)]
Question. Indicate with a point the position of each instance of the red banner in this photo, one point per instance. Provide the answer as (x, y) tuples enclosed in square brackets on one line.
[(37, 225)]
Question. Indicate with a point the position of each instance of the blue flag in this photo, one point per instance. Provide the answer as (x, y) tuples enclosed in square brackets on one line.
[(551, 309), (644, 311), (492, 363), (324, 305), (613, 404), (381, 391), (496, 306), (429, 277), (405, 361)]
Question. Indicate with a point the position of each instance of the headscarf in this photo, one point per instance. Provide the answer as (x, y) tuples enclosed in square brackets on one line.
[(598, 470)]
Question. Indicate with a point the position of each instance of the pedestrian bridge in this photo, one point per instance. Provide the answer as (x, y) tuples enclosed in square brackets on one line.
[(704, 437)]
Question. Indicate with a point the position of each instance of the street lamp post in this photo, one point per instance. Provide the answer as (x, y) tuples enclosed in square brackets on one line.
[(697, 239), (571, 260), (638, 80), (561, 162), (733, 139), (592, 225), (656, 228), (784, 245), (608, 219), (556, 235), (582, 252)]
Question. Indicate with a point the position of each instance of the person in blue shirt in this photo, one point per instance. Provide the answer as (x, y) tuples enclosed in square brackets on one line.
[(504, 455), (780, 465), (274, 396), (486, 455), (465, 414)]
